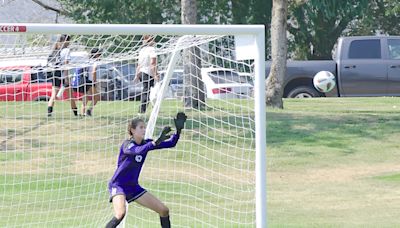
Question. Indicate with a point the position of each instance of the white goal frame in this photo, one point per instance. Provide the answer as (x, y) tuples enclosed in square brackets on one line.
[(255, 31)]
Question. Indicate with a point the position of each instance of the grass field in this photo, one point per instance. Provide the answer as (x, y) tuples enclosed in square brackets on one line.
[(331, 163), (334, 163), (55, 170)]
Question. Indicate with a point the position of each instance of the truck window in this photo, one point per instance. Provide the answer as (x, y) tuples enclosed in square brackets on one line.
[(394, 48), (365, 49), (10, 76)]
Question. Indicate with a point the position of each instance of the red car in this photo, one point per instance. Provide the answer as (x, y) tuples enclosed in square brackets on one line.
[(25, 83)]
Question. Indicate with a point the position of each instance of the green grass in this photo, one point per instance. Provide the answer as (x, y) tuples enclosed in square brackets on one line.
[(390, 178), (55, 170), (330, 163), (334, 163)]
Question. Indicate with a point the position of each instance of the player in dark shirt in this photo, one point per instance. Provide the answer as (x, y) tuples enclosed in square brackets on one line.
[(124, 185)]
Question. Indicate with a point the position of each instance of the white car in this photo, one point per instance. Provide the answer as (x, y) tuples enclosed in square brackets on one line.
[(223, 83)]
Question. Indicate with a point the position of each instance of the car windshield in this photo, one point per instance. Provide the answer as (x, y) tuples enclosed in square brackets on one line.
[(224, 76)]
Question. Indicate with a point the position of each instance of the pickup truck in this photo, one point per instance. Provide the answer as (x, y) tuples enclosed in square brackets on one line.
[(363, 66), (19, 84), (26, 80)]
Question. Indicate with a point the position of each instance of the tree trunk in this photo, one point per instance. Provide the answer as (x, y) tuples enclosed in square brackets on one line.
[(275, 79), (194, 96)]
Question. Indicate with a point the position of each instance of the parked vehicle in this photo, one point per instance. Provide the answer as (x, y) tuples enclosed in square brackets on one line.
[(23, 81), (117, 83), (247, 77), (112, 76), (114, 84), (26, 80), (363, 66), (223, 83), (220, 83), (174, 90), (175, 87), (18, 84)]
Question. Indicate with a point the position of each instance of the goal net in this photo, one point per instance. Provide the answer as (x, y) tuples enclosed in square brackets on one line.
[(55, 169)]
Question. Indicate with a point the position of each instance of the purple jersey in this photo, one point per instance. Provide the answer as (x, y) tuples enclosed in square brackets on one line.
[(131, 159)]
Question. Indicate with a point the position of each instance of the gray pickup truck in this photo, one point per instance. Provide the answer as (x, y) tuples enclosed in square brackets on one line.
[(363, 66)]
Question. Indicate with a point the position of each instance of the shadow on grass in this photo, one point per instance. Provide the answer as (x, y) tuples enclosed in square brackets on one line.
[(328, 130)]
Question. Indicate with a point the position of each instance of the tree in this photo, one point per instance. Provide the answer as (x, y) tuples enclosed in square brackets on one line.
[(316, 25), (166, 11), (194, 95), (279, 52)]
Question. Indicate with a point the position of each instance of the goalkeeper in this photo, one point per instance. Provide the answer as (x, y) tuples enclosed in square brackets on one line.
[(124, 185)]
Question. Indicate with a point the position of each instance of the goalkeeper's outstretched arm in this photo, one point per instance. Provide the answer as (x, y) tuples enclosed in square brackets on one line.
[(171, 142)]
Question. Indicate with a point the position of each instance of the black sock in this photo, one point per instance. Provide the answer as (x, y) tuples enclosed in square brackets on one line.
[(165, 223), (75, 110), (49, 111), (114, 222)]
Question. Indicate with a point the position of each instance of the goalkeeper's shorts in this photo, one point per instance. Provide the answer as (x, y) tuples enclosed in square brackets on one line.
[(131, 192)]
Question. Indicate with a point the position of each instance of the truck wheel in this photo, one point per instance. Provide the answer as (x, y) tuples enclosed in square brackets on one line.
[(42, 98), (303, 92)]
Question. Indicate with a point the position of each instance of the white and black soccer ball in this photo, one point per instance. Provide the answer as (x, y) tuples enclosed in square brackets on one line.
[(324, 81)]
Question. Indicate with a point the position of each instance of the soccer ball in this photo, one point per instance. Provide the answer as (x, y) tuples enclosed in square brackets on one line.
[(324, 81)]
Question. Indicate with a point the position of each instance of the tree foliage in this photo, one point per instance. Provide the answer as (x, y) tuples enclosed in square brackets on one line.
[(168, 11), (315, 25), (122, 11), (382, 17)]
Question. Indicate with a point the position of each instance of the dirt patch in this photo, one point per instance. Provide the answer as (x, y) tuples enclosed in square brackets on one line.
[(91, 164)]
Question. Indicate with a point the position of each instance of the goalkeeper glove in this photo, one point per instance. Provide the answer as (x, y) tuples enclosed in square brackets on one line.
[(180, 121), (163, 136)]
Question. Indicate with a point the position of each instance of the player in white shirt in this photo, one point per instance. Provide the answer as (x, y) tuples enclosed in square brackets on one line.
[(146, 70), (59, 57)]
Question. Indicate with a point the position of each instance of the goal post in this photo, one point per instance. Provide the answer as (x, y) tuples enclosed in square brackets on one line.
[(260, 120), (160, 95), (216, 176)]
